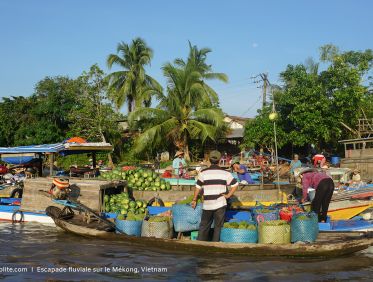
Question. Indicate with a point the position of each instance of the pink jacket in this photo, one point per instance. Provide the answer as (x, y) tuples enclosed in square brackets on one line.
[(312, 179)]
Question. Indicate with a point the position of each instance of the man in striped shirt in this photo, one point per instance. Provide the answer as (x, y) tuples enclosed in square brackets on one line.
[(213, 181)]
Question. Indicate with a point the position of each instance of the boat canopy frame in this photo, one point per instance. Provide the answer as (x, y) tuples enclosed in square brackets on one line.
[(63, 149)]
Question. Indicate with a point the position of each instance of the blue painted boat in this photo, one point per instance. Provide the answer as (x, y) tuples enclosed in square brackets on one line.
[(346, 226)]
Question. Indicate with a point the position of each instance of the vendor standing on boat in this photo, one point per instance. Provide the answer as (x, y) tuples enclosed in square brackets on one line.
[(213, 181), (179, 164), (324, 186)]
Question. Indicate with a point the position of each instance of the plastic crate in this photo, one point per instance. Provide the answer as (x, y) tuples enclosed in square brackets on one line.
[(193, 235)]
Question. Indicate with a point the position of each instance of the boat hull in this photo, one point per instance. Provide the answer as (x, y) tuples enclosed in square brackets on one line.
[(339, 245)]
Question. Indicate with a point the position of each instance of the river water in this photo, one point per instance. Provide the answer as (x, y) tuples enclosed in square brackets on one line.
[(33, 252)]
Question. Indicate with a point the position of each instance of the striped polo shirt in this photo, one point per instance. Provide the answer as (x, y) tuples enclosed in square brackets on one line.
[(214, 181)]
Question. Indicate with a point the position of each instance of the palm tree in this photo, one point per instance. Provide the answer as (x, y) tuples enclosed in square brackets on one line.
[(197, 61), (187, 112), (132, 84)]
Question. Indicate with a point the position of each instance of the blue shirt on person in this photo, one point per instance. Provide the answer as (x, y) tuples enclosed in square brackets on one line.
[(245, 176)]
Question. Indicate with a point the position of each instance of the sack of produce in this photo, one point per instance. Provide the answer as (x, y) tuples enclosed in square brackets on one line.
[(274, 232), (286, 213), (239, 232), (158, 227), (131, 225), (265, 214), (304, 227)]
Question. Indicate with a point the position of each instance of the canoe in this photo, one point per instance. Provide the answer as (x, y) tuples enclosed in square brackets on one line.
[(327, 245)]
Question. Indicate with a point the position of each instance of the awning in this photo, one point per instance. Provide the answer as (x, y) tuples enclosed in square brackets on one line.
[(61, 148), (45, 148), (17, 159)]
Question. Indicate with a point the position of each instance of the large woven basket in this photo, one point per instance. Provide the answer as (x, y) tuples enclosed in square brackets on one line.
[(162, 229), (185, 218), (304, 230), (270, 233), (233, 235), (130, 227)]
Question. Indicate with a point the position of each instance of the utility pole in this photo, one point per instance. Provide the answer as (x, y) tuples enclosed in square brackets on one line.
[(263, 79)]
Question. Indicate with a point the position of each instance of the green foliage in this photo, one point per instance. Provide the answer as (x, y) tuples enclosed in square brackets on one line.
[(313, 105), (260, 131), (93, 117), (188, 112), (76, 160), (41, 118), (132, 84)]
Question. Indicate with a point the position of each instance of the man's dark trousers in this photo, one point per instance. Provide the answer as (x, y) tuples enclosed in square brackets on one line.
[(208, 216)]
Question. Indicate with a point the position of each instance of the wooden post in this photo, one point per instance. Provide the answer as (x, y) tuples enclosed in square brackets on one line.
[(51, 161), (40, 166), (93, 160)]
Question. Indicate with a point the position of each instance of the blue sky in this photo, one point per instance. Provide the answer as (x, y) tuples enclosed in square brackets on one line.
[(41, 38)]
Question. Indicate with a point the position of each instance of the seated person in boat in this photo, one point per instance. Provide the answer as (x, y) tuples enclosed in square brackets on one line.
[(295, 163), (179, 164), (356, 178), (214, 182), (242, 173), (324, 186)]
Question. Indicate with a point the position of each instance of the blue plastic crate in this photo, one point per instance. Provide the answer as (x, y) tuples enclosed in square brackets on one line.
[(157, 210), (232, 215)]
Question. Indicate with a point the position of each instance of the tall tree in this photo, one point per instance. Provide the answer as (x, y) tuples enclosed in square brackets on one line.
[(94, 117), (196, 62), (187, 112), (52, 101), (314, 105), (131, 84)]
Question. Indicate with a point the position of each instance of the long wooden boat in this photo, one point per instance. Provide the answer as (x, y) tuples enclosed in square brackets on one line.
[(327, 245)]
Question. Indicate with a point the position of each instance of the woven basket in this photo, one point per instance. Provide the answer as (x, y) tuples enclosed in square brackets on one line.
[(232, 235), (162, 229), (130, 227), (269, 233), (304, 230), (185, 218)]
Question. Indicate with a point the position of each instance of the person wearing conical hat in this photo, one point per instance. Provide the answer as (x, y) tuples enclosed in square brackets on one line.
[(179, 164)]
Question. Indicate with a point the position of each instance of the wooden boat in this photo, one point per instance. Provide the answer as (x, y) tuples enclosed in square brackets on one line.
[(327, 245), (347, 211)]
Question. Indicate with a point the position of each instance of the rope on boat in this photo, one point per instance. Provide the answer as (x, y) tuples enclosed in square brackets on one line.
[(14, 217)]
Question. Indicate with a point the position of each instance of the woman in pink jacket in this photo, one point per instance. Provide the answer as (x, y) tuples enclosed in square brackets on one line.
[(324, 186)]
